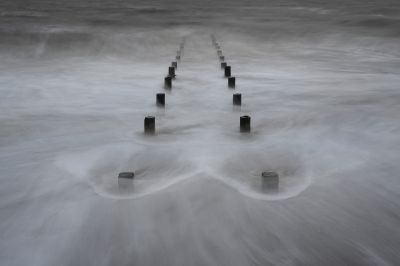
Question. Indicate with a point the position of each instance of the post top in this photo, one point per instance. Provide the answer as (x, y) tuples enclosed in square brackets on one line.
[(269, 174), (128, 175)]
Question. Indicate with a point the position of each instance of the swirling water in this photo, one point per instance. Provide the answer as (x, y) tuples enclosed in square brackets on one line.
[(320, 81)]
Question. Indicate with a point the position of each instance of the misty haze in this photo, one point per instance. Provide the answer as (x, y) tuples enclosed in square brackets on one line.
[(292, 158)]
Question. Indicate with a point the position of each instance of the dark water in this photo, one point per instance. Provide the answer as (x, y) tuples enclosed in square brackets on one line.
[(319, 79)]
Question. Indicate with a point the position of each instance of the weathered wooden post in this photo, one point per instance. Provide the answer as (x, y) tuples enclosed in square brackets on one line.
[(245, 123), (223, 65), (270, 181), (125, 179), (231, 82), (227, 71), (160, 99), (149, 125), (221, 58), (171, 71), (237, 99), (168, 82)]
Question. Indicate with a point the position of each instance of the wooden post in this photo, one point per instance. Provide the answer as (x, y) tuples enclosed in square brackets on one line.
[(237, 99), (227, 71), (245, 123), (168, 82), (125, 180), (270, 181), (171, 71), (231, 82), (160, 99), (149, 125)]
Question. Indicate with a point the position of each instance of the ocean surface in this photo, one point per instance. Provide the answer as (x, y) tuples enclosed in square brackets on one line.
[(320, 80)]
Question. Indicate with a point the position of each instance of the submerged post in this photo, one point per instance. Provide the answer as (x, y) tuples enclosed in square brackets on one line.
[(175, 64), (270, 181), (223, 65), (222, 58), (231, 82), (168, 82), (171, 71), (160, 99), (125, 179), (227, 71), (245, 123), (237, 99), (149, 125)]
